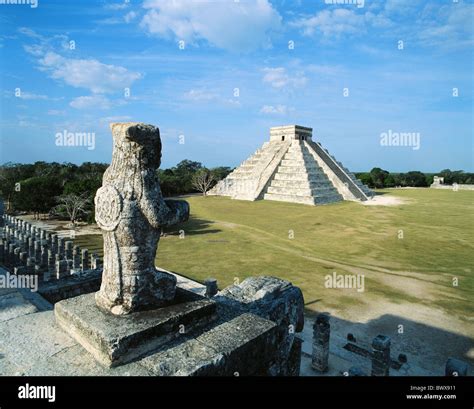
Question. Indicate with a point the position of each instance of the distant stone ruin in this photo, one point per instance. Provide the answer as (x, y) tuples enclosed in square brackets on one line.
[(292, 168), (438, 183)]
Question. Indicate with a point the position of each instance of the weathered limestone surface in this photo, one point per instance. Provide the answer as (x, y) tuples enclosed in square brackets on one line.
[(113, 341), (321, 336), (130, 210), (276, 300), (243, 346)]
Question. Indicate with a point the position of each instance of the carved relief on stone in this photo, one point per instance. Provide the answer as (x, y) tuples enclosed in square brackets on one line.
[(131, 211)]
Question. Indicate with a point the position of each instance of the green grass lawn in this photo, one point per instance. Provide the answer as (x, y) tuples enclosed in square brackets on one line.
[(229, 239)]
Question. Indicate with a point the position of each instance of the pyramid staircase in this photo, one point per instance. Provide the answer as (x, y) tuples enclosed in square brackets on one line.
[(292, 168), (299, 179)]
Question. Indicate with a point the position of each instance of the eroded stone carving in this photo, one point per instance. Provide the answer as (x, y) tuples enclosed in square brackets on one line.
[(130, 210)]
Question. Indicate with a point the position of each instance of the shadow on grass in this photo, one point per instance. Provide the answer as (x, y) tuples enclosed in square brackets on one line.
[(193, 226), (312, 302)]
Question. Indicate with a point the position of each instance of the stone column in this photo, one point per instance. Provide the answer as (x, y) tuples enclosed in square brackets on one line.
[(54, 243), (11, 254), (44, 256), (31, 246), (61, 269), (69, 245), (2, 252), (85, 260), (380, 356), (51, 261), (30, 265), (211, 287), (95, 261), (61, 246), (321, 334), (16, 253), (70, 266), (37, 254), (76, 258)]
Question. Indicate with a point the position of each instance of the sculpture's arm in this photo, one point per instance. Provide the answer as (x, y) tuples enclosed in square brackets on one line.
[(161, 212)]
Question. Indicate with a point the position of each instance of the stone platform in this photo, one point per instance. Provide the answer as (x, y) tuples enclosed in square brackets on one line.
[(114, 340)]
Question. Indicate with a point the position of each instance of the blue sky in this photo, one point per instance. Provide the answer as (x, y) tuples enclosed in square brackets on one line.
[(217, 75)]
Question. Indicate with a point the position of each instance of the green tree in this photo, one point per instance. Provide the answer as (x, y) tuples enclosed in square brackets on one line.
[(11, 174), (366, 179), (416, 179), (37, 194), (378, 177)]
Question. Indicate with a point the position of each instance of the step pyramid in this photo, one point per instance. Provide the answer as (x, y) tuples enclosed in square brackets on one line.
[(292, 168)]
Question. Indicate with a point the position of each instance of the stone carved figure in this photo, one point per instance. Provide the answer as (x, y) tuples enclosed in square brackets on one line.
[(131, 211)]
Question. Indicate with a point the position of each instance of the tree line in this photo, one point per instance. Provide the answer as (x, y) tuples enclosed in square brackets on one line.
[(378, 178), (66, 190)]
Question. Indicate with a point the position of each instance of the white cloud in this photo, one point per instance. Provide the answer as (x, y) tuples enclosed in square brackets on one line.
[(279, 78), (130, 16), (199, 95), (332, 22), (91, 102), (55, 112), (106, 121), (116, 6), (87, 73), (29, 96), (274, 110), (79, 73), (447, 26), (242, 25)]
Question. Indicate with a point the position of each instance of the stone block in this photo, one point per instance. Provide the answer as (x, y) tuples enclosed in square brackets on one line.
[(243, 346), (116, 340)]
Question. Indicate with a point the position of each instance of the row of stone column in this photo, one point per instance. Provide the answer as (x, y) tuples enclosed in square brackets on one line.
[(320, 355), (28, 249), (380, 356)]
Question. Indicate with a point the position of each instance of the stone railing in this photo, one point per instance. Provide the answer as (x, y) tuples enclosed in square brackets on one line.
[(343, 176)]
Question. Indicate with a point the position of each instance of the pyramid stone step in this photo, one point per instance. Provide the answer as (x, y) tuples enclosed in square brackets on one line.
[(326, 199), (290, 198), (293, 162), (292, 176), (302, 184), (322, 191), (298, 169)]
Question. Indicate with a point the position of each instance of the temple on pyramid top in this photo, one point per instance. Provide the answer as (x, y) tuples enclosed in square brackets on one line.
[(289, 132), (291, 167)]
